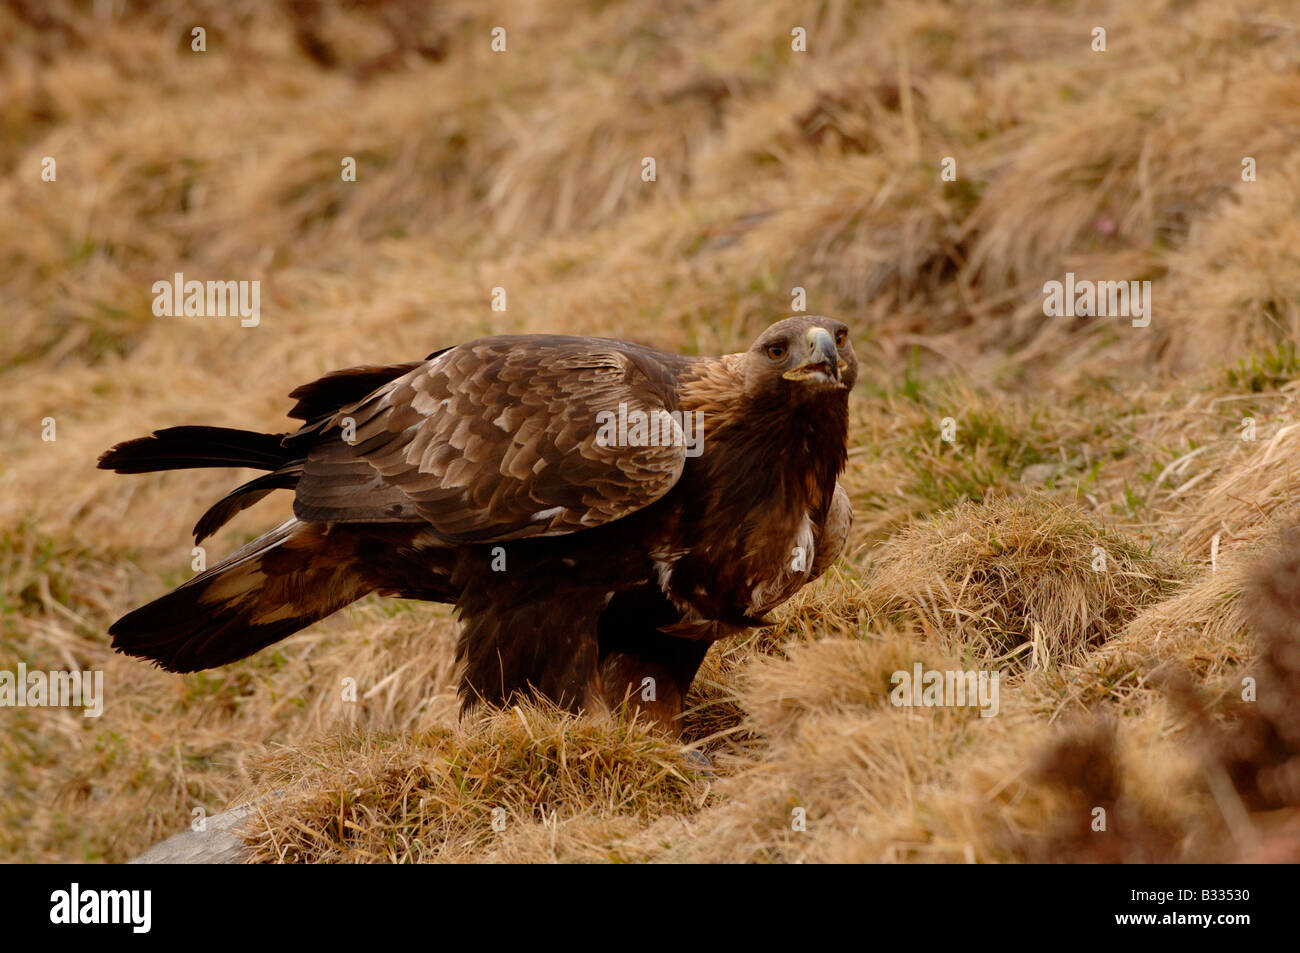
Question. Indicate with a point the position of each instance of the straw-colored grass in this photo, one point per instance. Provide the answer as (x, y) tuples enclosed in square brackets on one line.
[(1169, 450), (1027, 579), (523, 784)]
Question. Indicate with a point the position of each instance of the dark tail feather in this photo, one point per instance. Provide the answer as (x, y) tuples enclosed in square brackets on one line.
[(180, 448), (327, 394), (274, 586), (242, 497)]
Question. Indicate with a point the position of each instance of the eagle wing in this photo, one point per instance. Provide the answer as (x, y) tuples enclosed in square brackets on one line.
[(497, 439)]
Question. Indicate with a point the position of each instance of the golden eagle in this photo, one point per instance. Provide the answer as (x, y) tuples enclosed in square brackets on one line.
[(599, 512)]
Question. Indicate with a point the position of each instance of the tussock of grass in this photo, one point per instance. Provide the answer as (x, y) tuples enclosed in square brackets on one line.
[(528, 783), (1236, 281), (1028, 578), (861, 773), (830, 676), (1201, 627)]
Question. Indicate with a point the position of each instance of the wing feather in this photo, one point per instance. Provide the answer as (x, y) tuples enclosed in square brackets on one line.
[(497, 439)]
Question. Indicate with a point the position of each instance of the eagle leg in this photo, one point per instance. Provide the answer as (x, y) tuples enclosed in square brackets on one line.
[(642, 668), (513, 648), (654, 681)]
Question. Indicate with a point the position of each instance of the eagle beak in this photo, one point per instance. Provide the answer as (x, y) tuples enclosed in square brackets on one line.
[(823, 363)]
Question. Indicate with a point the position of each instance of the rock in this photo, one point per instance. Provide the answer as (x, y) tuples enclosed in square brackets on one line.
[(218, 843)]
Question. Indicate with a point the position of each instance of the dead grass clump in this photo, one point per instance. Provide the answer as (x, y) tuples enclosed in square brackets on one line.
[(1263, 755), (844, 775), (1031, 578), (1255, 488), (514, 785), (1094, 809), (868, 229), (1000, 446), (1248, 776), (1201, 629), (104, 788), (713, 717), (1233, 285), (830, 676)]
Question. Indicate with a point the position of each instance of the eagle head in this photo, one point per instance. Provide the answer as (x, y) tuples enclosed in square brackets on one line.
[(807, 357)]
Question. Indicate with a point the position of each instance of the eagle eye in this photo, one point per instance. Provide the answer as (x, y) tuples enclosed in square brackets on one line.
[(776, 351), (841, 337)]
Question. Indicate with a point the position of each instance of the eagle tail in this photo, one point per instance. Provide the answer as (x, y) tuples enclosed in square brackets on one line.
[(182, 448), (242, 497), (277, 584), (325, 395)]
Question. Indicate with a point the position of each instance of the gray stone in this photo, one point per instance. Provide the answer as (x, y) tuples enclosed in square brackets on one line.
[(218, 843)]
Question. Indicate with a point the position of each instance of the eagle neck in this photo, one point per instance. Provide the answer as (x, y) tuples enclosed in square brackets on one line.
[(774, 451)]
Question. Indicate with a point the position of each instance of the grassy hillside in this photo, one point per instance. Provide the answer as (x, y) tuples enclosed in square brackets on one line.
[(1171, 448)]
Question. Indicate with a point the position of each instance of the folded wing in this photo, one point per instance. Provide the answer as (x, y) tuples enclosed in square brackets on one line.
[(504, 438)]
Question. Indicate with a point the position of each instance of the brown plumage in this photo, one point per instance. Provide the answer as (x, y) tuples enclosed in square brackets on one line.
[(555, 489)]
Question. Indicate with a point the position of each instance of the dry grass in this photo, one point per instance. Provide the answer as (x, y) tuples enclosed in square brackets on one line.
[(522, 784), (1027, 578), (775, 169)]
